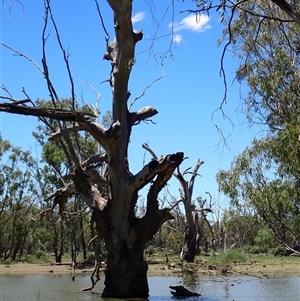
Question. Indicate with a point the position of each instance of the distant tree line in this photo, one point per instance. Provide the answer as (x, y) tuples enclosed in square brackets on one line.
[(30, 226)]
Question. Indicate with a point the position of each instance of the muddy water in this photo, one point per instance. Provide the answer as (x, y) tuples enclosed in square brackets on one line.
[(60, 287)]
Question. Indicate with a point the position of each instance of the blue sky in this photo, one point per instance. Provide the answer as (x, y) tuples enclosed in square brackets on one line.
[(186, 97)]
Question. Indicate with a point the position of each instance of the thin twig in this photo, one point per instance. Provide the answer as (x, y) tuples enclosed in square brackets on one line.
[(144, 90), (66, 55), (18, 53)]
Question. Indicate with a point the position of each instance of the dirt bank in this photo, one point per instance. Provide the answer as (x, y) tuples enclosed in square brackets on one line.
[(258, 266)]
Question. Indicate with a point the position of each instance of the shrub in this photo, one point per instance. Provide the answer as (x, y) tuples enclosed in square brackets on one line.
[(224, 259), (246, 248), (264, 239), (29, 258), (235, 255), (7, 261), (150, 250), (174, 242), (279, 251), (90, 257), (39, 254), (255, 250)]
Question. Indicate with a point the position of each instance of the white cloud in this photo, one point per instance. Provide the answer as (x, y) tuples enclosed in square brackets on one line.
[(177, 38), (138, 17), (196, 23)]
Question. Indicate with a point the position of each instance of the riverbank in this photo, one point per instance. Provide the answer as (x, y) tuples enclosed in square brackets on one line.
[(259, 266)]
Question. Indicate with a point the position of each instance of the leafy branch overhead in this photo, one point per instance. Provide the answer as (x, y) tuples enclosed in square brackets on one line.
[(282, 14)]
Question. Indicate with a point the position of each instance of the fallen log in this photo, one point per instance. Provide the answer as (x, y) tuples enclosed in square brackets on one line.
[(181, 291)]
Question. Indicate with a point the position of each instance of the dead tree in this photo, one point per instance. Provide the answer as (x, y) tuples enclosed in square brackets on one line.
[(192, 231), (112, 198)]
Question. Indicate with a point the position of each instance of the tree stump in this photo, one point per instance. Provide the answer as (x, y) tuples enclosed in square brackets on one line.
[(180, 291)]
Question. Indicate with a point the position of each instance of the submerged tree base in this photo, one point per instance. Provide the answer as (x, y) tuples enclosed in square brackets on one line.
[(130, 283)]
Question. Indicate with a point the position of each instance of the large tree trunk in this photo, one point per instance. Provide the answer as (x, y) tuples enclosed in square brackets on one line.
[(112, 197), (126, 273), (191, 242)]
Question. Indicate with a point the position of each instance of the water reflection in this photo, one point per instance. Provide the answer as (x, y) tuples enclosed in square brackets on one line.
[(60, 287)]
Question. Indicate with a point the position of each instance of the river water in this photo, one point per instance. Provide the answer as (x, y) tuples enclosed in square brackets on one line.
[(60, 287)]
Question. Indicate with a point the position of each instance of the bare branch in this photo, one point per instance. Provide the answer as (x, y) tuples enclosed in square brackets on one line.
[(65, 54), (60, 197), (147, 148), (18, 53), (186, 190), (52, 92), (142, 114), (97, 131), (94, 109), (86, 190), (193, 176), (156, 35), (102, 22), (161, 167), (57, 114), (176, 203), (201, 210), (144, 90), (10, 5), (99, 158), (70, 129), (95, 272)]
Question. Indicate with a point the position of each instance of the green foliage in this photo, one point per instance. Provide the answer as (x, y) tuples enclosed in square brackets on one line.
[(257, 181), (264, 239), (265, 177), (90, 257), (255, 250), (241, 227), (174, 242), (39, 254), (268, 51), (225, 258), (26, 233), (150, 250), (279, 251), (246, 248), (30, 258), (18, 199)]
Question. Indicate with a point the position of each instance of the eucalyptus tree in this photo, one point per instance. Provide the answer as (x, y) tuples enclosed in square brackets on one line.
[(240, 227), (264, 37), (254, 32), (18, 201), (269, 54), (289, 9), (54, 174), (254, 182), (111, 198)]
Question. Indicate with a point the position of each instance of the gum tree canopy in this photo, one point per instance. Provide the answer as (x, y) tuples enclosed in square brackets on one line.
[(111, 197)]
